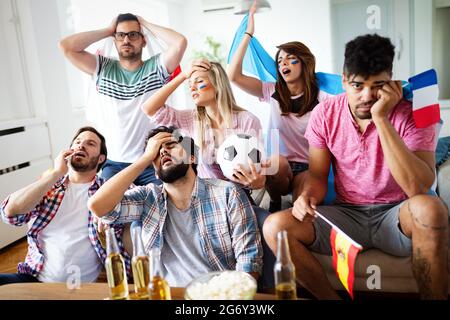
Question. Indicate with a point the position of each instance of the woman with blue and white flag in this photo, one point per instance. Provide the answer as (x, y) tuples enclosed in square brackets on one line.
[(292, 98)]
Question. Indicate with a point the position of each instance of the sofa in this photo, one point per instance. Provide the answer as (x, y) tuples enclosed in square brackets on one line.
[(395, 272)]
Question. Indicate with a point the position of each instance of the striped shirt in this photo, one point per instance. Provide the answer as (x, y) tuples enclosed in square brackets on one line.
[(115, 108), (223, 216), (42, 215), (243, 122)]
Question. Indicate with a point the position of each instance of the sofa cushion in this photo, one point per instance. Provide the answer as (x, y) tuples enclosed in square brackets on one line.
[(396, 273)]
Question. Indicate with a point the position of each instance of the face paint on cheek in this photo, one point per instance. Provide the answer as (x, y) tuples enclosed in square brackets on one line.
[(295, 61), (202, 86)]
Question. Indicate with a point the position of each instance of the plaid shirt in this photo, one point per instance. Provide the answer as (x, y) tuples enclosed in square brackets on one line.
[(224, 217), (43, 214)]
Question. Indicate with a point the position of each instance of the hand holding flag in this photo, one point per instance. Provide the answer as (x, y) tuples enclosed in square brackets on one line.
[(256, 60), (345, 251)]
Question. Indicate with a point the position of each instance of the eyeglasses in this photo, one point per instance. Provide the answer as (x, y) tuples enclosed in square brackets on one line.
[(133, 35)]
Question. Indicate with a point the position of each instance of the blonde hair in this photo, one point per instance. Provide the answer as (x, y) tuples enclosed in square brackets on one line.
[(225, 102)]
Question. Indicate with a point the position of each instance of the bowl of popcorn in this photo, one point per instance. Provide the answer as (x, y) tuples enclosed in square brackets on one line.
[(222, 285)]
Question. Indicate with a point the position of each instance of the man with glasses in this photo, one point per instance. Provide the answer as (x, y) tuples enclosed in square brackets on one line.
[(123, 85)]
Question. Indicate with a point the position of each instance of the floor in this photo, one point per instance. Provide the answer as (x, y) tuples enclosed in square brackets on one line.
[(11, 255)]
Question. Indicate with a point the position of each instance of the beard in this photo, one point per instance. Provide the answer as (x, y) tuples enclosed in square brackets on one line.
[(173, 173), (364, 115), (131, 55), (84, 167)]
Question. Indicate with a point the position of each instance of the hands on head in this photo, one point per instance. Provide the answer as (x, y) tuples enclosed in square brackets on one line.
[(155, 143), (140, 19), (112, 26), (197, 65)]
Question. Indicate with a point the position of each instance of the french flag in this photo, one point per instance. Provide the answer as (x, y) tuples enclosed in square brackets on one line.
[(425, 91)]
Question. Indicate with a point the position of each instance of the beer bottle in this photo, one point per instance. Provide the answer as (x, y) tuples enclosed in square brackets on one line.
[(284, 269), (158, 287), (139, 262), (115, 268)]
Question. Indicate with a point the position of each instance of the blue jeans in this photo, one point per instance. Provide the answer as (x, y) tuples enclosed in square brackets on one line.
[(8, 278), (110, 168), (442, 151), (267, 280)]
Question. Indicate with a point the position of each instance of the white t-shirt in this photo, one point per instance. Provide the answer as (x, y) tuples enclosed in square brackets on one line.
[(115, 106), (65, 241)]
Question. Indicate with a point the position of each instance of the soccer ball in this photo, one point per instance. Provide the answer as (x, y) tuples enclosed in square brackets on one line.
[(237, 149)]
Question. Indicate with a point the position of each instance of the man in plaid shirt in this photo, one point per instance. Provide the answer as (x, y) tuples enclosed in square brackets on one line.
[(200, 225), (62, 237)]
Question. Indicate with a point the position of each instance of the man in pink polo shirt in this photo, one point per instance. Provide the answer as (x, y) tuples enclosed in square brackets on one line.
[(383, 167)]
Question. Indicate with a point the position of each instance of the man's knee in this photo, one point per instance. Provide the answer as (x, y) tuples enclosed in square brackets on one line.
[(428, 212), (275, 223)]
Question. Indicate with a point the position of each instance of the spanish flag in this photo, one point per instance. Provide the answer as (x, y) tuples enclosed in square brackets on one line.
[(345, 251)]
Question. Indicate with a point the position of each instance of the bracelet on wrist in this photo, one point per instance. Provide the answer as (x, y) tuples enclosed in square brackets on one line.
[(249, 34)]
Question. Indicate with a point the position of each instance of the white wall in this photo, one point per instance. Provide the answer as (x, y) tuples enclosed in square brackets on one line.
[(423, 35), (62, 119), (16, 100), (423, 28), (289, 20), (441, 49)]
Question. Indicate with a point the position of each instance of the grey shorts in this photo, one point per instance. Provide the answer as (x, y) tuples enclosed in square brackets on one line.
[(372, 226)]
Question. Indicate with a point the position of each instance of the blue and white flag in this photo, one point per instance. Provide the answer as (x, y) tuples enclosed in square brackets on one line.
[(256, 60)]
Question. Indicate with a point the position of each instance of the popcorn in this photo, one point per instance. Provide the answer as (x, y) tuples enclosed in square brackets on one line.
[(227, 285)]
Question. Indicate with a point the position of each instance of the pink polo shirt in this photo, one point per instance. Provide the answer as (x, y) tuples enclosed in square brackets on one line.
[(243, 122), (361, 174)]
